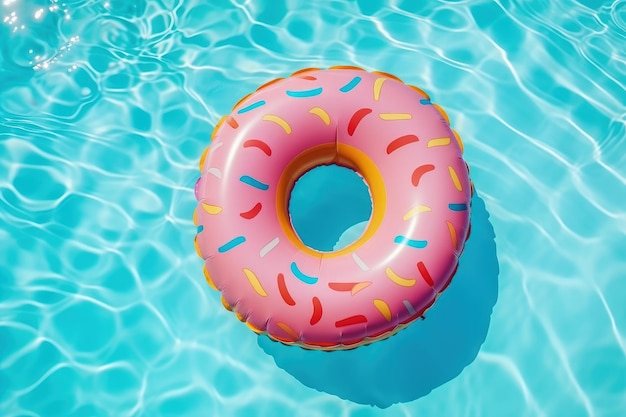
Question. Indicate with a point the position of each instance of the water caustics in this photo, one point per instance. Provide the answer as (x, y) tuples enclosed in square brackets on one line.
[(105, 107)]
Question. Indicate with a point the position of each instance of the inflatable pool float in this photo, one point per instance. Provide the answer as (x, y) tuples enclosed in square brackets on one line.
[(398, 141)]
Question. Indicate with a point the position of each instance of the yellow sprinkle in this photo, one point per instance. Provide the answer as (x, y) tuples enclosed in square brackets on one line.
[(452, 234), (404, 282), (361, 285), (211, 209), (378, 84), (442, 112), (195, 217), (197, 246), (321, 113), (395, 116), (254, 281), (455, 178), (287, 329), (458, 140), (383, 308), (208, 278), (279, 121), (415, 211), (438, 142)]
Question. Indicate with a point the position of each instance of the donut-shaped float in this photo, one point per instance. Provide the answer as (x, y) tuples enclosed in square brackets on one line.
[(398, 141)]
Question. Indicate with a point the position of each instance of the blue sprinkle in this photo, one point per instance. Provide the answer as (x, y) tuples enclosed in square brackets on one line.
[(425, 101), (231, 244), (457, 206), (301, 276), (254, 183), (200, 228), (417, 244), (355, 81), (251, 107), (305, 93)]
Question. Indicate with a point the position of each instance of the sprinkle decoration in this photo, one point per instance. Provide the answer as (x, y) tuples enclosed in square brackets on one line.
[(252, 213), (356, 119), (400, 142), (284, 292), (307, 279), (231, 244), (255, 143)]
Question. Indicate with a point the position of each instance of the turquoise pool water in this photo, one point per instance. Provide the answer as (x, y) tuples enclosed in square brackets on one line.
[(105, 108)]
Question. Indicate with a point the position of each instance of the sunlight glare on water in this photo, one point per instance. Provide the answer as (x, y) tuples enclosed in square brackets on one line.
[(106, 107)]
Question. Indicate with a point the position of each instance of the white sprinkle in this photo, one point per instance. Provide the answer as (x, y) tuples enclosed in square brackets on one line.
[(215, 172), (271, 245), (360, 262), (409, 307)]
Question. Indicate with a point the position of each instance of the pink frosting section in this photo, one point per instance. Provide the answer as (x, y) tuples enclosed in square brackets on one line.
[(322, 300)]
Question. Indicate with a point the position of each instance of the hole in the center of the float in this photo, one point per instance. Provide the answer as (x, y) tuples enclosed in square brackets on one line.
[(330, 207)]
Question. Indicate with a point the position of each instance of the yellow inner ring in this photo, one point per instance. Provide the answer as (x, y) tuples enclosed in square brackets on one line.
[(343, 155)]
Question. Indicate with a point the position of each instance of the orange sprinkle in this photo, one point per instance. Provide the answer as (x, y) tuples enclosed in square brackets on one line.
[(287, 330), (232, 122), (452, 234)]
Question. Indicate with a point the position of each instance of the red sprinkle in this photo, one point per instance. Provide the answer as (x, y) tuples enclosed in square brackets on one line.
[(419, 171), (425, 274), (342, 286), (356, 119), (348, 321), (317, 311), (284, 292), (255, 143), (251, 214), (401, 141)]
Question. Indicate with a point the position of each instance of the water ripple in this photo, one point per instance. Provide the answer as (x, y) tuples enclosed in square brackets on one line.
[(105, 107)]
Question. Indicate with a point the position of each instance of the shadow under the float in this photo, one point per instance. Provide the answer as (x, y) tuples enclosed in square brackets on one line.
[(426, 354)]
